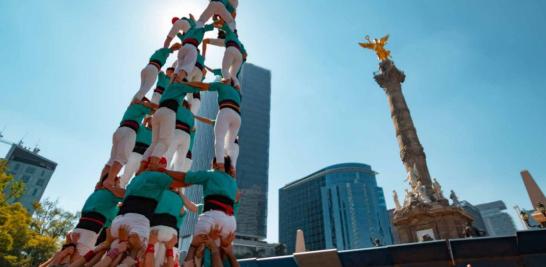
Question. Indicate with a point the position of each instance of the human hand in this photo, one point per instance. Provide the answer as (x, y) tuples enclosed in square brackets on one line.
[(171, 243), (153, 237)]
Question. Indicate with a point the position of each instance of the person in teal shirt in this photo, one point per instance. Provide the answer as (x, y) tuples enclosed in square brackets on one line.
[(187, 56), (220, 194), (228, 120), (185, 123), (148, 75), (124, 139), (164, 121), (234, 56), (220, 8), (143, 141), (163, 81), (142, 196), (179, 25), (97, 213)]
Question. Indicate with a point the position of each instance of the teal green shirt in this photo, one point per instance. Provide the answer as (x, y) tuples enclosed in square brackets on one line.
[(171, 203), (177, 91), (190, 21), (231, 36), (163, 80), (144, 135), (200, 59), (226, 92), (161, 55), (184, 115), (217, 72), (214, 183), (136, 112), (104, 202), (149, 185), (198, 33)]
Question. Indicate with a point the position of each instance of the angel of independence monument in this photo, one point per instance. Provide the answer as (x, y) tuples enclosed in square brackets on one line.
[(425, 213)]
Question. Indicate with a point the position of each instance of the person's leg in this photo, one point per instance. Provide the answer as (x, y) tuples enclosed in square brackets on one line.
[(167, 121), (130, 168), (195, 105), (227, 62), (186, 63), (185, 167), (181, 151), (124, 142), (173, 147), (86, 240), (220, 129), (148, 76), (236, 66), (233, 129)]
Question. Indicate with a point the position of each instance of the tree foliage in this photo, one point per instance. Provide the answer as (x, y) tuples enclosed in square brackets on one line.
[(27, 240)]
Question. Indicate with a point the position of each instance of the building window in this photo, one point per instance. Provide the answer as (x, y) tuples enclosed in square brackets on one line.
[(40, 182), (16, 166), (30, 170), (43, 173), (34, 192), (26, 178)]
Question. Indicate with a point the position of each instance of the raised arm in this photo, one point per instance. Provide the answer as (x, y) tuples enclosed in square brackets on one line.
[(175, 47), (178, 178)]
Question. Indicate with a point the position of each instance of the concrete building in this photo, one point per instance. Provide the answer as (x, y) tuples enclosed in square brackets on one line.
[(340, 207), (31, 168), (497, 222)]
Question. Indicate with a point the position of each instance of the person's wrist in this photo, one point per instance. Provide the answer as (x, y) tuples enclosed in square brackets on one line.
[(113, 253), (150, 248), (169, 252)]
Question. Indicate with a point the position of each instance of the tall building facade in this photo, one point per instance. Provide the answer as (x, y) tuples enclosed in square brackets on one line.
[(497, 222), (32, 169), (253, 161), (340, 207), (477, 219)]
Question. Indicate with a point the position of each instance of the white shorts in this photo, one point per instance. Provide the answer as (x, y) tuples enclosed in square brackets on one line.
[(123, 143), (87, 240), (136, 224), (209, 219)]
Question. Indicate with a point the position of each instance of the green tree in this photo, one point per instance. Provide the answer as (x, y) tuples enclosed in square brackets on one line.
[(27, 240)]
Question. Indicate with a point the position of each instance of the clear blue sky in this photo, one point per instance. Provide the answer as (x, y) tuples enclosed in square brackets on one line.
[(475, 86)]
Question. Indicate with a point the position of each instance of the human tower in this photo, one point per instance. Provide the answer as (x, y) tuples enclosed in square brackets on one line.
[(133, 218)]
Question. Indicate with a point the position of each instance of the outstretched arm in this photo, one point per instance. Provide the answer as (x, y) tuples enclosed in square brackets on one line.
[(178, 178), (199, 85), (167, 41), (175, 47), (205, 120)]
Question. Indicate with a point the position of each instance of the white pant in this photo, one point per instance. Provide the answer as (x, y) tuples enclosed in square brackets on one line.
[(178, 148), (123, 142), (163, 124), (233, 153), (195, 103), (196, 75), (187, 56), (185, 167), (218, 9), (233, 59), (87, 240), (164, 235), (209, 219), (136, 224), (226, 130), (148, 76), (156, 97), (130, 168)]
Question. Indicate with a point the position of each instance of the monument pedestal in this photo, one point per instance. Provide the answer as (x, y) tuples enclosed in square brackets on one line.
[(436, 220)]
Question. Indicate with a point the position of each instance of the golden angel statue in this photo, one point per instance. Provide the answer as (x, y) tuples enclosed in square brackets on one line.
[(378, 45)]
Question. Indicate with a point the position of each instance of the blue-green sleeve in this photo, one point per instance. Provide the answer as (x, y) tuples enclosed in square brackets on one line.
[(199, 177), (215, 86), (209, 27)]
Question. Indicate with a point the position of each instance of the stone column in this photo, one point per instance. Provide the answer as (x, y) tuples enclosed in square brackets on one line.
[(411, 152)]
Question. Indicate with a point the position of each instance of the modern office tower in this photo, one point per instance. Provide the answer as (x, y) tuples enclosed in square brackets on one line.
[(497, 222), (34, 170), (340, 207)]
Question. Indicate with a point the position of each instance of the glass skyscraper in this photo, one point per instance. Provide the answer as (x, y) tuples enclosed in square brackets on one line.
[(497, 222), (253, 161), (340, 207)]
